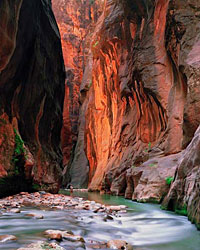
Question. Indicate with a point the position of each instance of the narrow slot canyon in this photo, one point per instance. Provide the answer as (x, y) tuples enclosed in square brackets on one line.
[(99, 120)]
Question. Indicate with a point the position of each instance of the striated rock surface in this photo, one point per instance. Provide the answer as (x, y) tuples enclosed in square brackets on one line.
[(139, 99), (148, 182), (76, 20), (144, 91), (184, 192), (31, 93)]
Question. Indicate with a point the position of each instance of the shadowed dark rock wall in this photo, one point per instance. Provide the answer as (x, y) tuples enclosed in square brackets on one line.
[(31, 90)]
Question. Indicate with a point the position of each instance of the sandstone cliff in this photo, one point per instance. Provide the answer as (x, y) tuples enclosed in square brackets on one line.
[(76, 20), (31, 92), (183, 196), (140, 95), (144, 84)]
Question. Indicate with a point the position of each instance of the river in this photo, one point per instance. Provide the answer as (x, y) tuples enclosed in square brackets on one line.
[(145, 226)]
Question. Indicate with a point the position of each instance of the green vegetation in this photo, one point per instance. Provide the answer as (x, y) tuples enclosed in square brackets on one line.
[(46, 246), (36, 187), (149, 147), (90, 84), (19, 144), (97, 42), (15, 182), (182, 211), (169, 180), (133, 166), (152, 165), (19, 153), (163, 207)]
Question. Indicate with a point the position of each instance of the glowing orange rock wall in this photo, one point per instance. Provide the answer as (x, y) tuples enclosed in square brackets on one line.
[(138, 102), (76, 19)]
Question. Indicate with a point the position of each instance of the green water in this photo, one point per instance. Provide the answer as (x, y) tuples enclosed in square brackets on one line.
[(144, 226)]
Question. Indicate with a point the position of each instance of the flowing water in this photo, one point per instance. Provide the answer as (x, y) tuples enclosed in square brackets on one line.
[(144, 226)]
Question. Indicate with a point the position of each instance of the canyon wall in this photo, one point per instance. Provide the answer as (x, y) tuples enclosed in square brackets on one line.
[(183, 196), (144, 94), (140, 96), (31, 93), (76, 20)]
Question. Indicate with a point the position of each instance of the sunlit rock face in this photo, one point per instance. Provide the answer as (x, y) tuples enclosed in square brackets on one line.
[(140, 90), (31, 91), (76, 20)]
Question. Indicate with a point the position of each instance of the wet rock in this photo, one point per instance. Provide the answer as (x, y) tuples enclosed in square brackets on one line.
[(73, 238), (119, 244), (6, 238), (114, 208), (107, 217), (92, 244), (36, 216), (54, 234), (41, 245), (60, 235), (15, 210)]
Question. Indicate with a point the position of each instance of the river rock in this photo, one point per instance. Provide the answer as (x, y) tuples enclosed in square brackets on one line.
[(15, 210), (59, 235), (107, 217), (5, 238), (36, 216), (73, 238), (114, 208), (54, 234), (92, 244), (119, 244), (41, 245)]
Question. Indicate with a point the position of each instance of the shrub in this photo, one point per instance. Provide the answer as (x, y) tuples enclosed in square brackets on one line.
[(19, 144), (182, 210), (19, 154), (169, 180)]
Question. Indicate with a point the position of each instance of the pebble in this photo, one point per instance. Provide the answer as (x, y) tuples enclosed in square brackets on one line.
[(15, 210), (53, 234), (119, 244), (57, 201), (60, 235), (41, 245), (43, 200), (73, 238), (6, 238), (36, 216)]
